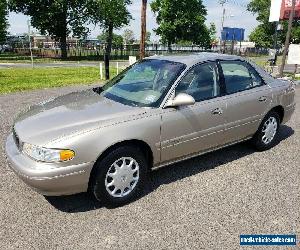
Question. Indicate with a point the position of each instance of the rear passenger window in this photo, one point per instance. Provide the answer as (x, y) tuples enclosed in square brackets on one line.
[(239, 77)]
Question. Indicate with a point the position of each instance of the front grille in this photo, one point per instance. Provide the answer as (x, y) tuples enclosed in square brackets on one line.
[(16, 138)]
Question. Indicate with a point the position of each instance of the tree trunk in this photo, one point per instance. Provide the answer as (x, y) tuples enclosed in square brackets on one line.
[(108, 50), (143, 29), (63, 35), (169, 47), (63, 46)]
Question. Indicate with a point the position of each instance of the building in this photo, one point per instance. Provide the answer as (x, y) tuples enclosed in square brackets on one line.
[(46, 42)]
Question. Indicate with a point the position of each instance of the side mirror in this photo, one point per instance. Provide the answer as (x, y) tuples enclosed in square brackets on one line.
[(181, 99)]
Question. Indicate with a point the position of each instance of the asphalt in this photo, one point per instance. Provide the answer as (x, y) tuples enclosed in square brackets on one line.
[(203, 203)]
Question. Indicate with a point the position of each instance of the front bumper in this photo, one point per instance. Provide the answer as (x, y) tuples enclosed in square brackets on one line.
[(48, 178)]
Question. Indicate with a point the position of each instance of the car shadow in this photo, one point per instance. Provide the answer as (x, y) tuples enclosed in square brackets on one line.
[(84, 202)]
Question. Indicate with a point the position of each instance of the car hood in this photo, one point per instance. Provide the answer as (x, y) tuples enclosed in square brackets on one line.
[(68, 114)]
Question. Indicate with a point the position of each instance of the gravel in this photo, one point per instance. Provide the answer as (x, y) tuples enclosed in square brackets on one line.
[(202, 203)]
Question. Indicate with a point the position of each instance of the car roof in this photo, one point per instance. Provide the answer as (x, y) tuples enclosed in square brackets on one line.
[(191, 59)]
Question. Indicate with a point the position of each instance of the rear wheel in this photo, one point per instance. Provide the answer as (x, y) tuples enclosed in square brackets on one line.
[(119, 177), (266, 135)]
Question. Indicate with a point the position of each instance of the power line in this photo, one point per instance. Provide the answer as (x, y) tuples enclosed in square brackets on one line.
[(237, 3)]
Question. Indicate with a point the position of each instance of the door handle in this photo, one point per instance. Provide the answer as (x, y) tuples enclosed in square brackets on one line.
[(217, 111), (262, 99)]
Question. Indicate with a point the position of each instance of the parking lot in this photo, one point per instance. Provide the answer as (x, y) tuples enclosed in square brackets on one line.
[(202, 203)]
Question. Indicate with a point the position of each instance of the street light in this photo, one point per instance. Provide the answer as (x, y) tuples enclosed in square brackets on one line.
[(222, 2), (222, 29)]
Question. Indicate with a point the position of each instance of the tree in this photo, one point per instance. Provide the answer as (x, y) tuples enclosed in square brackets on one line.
[(3, 21), (143, 29), (110, 15), (176, 24), (212, 32), (57, 18), (264, 34), (117, 40), (148, 37), (128, 36)]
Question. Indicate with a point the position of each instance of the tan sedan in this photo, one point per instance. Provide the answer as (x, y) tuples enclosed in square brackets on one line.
[(161, 110)]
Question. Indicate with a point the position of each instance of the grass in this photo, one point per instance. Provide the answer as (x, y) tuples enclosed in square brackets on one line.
[(27, 59), (15, 58), (22, 79), (263, 60)]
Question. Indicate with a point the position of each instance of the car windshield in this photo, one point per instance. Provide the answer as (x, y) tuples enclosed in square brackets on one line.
[(144, 84)]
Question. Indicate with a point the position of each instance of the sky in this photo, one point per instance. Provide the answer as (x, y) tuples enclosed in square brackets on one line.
[(236, 16)]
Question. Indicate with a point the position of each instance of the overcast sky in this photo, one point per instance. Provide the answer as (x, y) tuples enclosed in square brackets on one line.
[(241, 18)]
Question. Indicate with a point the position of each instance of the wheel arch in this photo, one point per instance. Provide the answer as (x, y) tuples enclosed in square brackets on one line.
[(280, 110), (145, 148)]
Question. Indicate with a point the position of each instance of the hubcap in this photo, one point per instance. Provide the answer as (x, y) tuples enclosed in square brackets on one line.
[(269, 130), (122, 177)]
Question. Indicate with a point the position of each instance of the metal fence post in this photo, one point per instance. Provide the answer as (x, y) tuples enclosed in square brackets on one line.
[(101, 71)]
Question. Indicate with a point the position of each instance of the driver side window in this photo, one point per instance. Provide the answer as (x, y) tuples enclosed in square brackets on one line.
[(201, 82)]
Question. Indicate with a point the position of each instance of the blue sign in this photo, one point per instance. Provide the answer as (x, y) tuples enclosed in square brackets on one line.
[(233, 34)]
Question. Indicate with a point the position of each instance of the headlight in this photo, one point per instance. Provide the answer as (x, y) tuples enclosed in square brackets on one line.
[(47, 154)]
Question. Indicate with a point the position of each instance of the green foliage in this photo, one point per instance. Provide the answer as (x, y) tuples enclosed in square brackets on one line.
[(57, 18), (181, 20), (212, 32), (128, 36), (19, 79), (108, 13), (261, 8), (184, 43), (3, 21), (264, 34), (117, 40)]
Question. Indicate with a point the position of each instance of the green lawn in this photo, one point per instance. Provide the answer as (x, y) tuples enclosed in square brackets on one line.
[(263, 60), (19, 79), (15, 58)]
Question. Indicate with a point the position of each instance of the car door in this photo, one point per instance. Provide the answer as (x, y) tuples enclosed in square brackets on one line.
[(248, 99), (188, 130)]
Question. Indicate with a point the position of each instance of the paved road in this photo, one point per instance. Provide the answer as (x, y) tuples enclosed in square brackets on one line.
[(203, 203), (59, 64)]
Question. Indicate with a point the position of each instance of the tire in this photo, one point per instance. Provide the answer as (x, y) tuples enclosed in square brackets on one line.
[(112, 170), (264, 140)]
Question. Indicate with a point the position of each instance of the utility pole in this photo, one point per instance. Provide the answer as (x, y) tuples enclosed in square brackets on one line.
[(275, 42), (29, 38), (222, 2), (143, 29), (287, 39)]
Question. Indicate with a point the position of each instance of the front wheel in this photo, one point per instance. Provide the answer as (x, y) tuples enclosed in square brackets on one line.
[(119, 177), (266, 135)]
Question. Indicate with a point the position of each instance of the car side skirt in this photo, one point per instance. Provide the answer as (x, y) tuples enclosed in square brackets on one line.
[(199, 154)]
